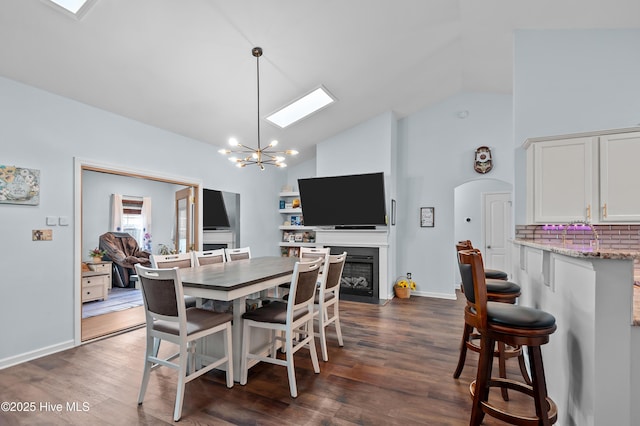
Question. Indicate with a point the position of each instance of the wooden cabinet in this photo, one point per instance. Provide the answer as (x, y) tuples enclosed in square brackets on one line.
[(293, 232), (619, 160), (563, 180), (587, 176), (96, 282)]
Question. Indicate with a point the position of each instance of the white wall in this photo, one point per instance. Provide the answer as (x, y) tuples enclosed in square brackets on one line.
[(569, 81), (43, 131), (436, 151), (303, 170), (365, 148)]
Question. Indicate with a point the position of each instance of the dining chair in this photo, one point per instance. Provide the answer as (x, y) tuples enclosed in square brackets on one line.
[(164, 261), (168, 319), (293, 318), (237, 253), (208, 257), (306, 253), (177, 260), (328, 296)]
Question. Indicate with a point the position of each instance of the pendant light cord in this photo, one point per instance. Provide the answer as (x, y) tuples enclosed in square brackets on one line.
[(258, 84)]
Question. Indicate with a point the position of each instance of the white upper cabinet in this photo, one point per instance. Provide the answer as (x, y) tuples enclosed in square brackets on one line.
[(562, 180), (588, 176), (619, 165)]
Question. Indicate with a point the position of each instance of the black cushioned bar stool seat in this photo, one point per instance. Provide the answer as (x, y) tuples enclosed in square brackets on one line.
[(512, 325), (495, 274)]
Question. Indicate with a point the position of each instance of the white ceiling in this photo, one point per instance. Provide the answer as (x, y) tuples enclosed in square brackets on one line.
[(186, 66)]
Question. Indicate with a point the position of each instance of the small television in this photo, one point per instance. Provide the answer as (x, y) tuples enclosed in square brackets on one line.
[(214, 212), (350, 201)]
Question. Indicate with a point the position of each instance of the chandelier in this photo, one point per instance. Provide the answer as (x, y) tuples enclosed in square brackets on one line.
[(259, 156)]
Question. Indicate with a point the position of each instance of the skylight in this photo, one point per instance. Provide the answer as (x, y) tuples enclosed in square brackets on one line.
[(72, 6), (301, 108)]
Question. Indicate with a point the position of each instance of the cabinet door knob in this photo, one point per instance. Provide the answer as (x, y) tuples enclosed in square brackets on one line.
[(589, 212), (604, 210)]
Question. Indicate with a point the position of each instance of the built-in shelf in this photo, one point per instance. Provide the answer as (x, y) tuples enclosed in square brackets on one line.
[(298, 244), (291, 211), (296, 228)]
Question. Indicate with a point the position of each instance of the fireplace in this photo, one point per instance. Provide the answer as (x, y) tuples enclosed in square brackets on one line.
[(360, 279), (214, 246)]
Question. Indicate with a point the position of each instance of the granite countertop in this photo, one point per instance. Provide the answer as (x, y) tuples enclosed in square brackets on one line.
[(581, 251)]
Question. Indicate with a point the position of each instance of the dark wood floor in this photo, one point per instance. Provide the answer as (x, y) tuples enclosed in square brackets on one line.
[(395, 369)]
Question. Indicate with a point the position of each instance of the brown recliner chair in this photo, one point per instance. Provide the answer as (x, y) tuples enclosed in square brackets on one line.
[(123, 250)]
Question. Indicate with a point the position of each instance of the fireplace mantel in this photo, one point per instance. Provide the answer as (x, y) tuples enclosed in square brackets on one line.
[(363, 238)]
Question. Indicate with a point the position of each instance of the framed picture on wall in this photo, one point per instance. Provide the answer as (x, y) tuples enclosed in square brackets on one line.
[(19, 185), (426, 217)]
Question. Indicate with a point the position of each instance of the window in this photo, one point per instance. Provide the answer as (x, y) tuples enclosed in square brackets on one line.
[(133, 216)]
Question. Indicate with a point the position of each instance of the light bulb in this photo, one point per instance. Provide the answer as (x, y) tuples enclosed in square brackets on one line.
[(273, 143), (233, 141), (224, 151), (291, 152)]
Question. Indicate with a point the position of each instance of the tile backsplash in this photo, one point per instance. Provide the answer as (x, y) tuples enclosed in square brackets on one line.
[(610, 237)]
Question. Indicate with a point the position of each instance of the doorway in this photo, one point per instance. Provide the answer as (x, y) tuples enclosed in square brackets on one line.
[(90, 328), (470, 216)]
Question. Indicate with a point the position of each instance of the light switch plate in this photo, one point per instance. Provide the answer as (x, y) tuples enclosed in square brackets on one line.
[(63, 220), (52, 220)]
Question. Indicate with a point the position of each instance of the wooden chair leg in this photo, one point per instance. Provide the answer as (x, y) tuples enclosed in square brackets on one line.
[(463, 350), (523, 367), (502, 368), (147, 369), (182, 374), (291, 372), (539, 384), (336, 315), (481, 394)]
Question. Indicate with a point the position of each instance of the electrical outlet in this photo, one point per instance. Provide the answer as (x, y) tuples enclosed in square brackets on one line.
[(409, 275)]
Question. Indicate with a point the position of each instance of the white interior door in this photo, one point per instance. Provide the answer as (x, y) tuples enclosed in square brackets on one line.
[(497, 229)]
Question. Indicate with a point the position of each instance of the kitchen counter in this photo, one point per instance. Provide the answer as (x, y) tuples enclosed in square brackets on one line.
[(588, 360), (581, 251)]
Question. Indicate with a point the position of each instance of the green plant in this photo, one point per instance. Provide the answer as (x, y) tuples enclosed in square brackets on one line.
[(165, 250), (96, 252)]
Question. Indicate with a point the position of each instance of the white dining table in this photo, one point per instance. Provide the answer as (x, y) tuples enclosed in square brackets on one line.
[(233, 282)]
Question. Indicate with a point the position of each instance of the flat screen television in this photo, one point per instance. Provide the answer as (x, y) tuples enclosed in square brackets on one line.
[(350, 201), (214, 212)]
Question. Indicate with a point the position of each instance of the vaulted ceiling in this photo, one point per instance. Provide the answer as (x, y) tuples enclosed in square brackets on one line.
[(186, 66)]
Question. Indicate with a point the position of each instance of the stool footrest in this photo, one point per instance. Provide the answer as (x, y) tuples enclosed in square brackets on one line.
[(552, 409)]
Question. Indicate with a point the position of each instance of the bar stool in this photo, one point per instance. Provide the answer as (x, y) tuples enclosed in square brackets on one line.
[(513, 325), (497, 291), (490, 274)]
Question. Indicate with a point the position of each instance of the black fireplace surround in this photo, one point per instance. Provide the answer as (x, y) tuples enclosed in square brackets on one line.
[(360, 279)]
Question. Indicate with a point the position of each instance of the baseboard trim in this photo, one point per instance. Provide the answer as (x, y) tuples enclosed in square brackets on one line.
[(38, 353), (447, 296)]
